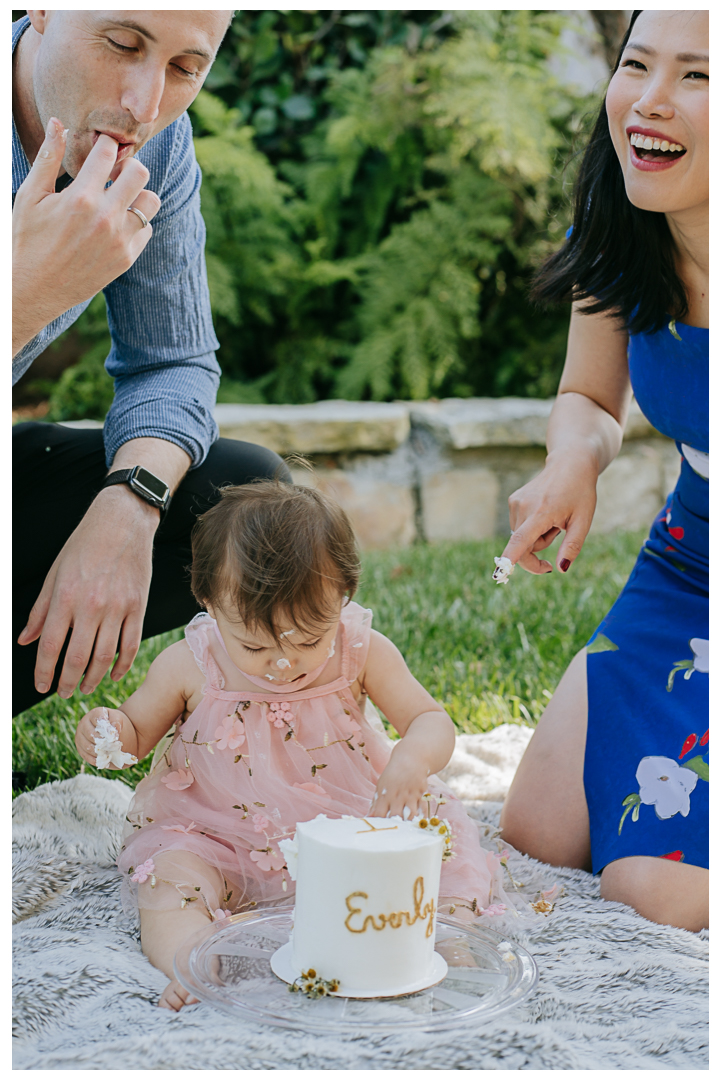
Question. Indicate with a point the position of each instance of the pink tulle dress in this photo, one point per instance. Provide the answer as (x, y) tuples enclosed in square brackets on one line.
[(237, 775)]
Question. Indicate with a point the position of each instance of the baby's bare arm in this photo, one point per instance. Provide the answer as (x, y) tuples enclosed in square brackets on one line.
[(428, 733), (147, 715)]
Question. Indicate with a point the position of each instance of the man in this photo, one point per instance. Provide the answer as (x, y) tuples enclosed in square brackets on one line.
[(101, 96)]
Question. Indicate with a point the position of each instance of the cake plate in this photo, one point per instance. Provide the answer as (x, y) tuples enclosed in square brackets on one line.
[(228, 965), (282, 965)]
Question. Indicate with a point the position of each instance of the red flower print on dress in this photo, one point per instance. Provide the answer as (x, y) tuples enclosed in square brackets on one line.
[(268, 860), (676, 856), (677, 531), (178, 781), (230, 734), (687, 746), (144, 871)]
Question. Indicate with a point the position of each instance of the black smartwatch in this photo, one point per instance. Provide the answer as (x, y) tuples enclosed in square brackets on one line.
[(143, 483)]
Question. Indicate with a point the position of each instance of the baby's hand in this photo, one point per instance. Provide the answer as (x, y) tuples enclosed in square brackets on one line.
[(400, 788), (98, 739)]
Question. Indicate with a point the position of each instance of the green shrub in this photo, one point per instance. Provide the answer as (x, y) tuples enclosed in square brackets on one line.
[(377, 189), (85, 390)]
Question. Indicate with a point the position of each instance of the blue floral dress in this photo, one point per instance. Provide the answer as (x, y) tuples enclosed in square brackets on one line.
[(646, 759)]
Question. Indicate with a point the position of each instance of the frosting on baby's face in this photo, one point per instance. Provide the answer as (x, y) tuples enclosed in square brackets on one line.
[(296, 652)]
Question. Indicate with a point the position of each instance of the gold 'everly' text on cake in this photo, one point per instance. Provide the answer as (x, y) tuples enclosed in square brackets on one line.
[(395, 918)]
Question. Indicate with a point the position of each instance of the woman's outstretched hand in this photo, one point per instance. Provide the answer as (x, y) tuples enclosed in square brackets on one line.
[(561, 498)]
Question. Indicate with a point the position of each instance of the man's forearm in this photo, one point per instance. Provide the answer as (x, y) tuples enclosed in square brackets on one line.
[(29, 317)]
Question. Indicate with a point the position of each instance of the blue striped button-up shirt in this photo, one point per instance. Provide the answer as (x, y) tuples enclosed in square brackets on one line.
[(163, 343)]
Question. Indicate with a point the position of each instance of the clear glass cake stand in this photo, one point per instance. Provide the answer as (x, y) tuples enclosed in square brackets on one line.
[(228, 965)]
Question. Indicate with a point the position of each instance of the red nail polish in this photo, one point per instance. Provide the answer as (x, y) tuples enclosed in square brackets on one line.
[(564, 565)]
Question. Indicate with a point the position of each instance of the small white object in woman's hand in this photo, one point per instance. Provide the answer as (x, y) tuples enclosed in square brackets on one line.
[(108, 748), (503, 569), (406, 812)]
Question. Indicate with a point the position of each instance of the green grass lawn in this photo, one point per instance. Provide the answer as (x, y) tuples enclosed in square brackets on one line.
[(491, 654)]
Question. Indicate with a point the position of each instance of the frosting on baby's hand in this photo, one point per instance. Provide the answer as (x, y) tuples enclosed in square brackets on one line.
[(503, 569), (108, 748)]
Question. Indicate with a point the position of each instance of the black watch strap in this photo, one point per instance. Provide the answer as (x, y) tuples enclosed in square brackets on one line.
[(144, 484)]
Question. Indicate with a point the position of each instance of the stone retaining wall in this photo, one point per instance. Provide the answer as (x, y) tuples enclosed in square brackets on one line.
[(443, 470)]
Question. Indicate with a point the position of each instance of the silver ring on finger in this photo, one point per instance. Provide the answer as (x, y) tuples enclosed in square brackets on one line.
[(139, 214)]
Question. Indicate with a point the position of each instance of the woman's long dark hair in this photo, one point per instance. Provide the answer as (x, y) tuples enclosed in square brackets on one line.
[(618, 257)]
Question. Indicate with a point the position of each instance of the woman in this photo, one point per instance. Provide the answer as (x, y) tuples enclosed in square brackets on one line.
[(616, 774)]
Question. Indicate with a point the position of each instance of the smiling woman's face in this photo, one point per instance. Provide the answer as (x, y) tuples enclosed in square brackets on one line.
[(657, 107)]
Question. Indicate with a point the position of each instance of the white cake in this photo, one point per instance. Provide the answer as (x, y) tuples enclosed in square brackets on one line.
[(366, 903)]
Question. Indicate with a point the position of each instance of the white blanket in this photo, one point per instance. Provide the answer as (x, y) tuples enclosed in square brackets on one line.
[(615, 991)]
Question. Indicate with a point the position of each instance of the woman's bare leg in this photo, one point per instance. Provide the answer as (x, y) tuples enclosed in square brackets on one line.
[(667, 892), (163, 930), (545, 813)]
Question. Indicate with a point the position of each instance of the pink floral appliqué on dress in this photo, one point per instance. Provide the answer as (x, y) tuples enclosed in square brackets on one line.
[(249, 763)]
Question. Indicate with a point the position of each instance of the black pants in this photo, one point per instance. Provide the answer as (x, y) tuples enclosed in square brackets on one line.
[(57, 471)]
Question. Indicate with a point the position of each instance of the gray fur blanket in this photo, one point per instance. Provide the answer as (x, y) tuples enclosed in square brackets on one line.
[(615, 991)]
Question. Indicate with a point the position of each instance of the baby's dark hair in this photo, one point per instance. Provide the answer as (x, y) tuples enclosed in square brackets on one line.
[(271, 549)]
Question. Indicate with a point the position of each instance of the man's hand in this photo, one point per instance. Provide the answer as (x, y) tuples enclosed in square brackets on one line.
[(67, 246), (98, 585)]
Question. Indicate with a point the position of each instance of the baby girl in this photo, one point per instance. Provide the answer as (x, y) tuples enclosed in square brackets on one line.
[(259, 721)]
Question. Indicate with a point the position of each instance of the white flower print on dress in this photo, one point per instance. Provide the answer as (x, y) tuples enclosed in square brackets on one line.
[(701, 654), (665, 785), (700, 661)]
